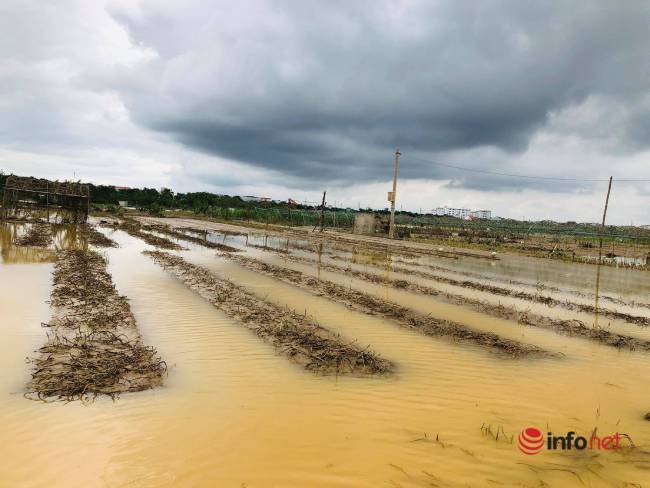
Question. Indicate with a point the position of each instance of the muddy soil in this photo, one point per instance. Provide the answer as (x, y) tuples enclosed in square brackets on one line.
[(542, 287), (38, 235), (571, 327), (341, 243), (546, 300), (206, 231), (267, 248), (93, 346), (329, 237), (296, 336), (498, 290), (346, 242), (375, 243), (165, 229), (134, 229), (94, 237), (403, 316)]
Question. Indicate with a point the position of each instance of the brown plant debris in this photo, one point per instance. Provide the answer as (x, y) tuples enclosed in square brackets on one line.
[(573, 327), (268, 248), (513, 282), (534, 297), (134, 229), (38, 235), (405, 317), (94, 237), (165, 229), (295, 335), (501, 291), (401, 248), (93, 346), (207, 231)]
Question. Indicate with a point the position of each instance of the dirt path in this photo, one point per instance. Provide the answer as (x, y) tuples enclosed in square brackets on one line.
[(296, 336), (93, 345), (403, 316)]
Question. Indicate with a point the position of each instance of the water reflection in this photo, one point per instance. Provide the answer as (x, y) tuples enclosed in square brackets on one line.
[(64, 236), (235, 413)]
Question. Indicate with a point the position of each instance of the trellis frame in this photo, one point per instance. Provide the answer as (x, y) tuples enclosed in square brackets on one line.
[(60, 197)]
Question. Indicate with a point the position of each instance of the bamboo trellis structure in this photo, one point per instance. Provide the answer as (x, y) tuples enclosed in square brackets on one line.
[(69, 200)]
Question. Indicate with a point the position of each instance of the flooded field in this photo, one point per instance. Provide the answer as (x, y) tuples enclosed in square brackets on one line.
[(238, 409)]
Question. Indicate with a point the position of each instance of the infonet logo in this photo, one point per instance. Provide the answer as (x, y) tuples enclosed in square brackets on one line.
[(531, 441)]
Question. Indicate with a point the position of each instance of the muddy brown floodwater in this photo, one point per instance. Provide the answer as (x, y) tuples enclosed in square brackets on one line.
[(233, 411)]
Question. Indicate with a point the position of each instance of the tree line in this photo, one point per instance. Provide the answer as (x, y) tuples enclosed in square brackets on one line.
[(152, 199)]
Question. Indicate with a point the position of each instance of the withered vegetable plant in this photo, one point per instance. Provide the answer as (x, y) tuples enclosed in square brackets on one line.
[(403, 316), (38, 235), (295, 335), (134, 229), (93, 346)]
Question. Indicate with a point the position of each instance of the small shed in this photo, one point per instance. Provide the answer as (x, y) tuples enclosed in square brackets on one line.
[(367, 223)]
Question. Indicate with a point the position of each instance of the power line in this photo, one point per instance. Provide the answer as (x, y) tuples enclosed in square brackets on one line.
[(530, 177)]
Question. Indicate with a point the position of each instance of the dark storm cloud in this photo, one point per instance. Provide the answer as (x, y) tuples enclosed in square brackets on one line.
[(324, 91), (496, 183)]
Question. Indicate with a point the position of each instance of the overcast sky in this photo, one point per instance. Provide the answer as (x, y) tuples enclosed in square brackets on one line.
[(288, 98)]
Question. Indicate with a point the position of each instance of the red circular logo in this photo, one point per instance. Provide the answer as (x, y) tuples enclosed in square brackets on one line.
[(530, 440)]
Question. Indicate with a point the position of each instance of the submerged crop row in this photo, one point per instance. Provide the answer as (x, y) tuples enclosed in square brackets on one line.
[(403, 316), (93, 345), (295, 335), (572, 326)]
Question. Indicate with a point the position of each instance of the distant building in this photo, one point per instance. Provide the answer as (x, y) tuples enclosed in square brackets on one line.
[(480, 214), (251, 198), (120, 188), (463, 213), (460, 213)]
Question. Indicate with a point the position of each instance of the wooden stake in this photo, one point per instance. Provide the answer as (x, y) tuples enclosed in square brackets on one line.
[(322, 212), (4, 205)]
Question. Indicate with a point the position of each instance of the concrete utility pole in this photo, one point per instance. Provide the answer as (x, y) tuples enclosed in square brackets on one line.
[(391, 197), (600, 250)]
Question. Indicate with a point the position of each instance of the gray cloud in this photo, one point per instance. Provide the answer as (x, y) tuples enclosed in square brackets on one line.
[(290, 98), (326, 91)]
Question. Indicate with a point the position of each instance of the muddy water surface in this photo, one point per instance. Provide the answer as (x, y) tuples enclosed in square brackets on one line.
[(235, 413)]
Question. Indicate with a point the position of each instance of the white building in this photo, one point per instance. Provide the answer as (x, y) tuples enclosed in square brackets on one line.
[(480, 214), (461, 213)]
